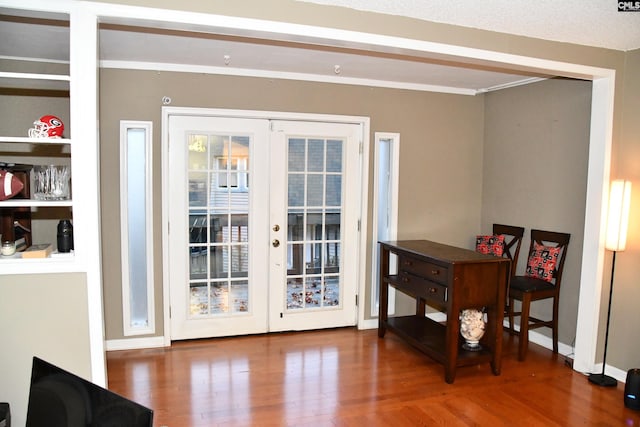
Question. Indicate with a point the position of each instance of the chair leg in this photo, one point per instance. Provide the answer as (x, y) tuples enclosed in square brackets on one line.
[(554, 322), (510, 315), (523, 342)]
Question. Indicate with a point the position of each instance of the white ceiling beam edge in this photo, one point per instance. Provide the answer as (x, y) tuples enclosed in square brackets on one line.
[(513, 84), (243, 72), (219, 24)]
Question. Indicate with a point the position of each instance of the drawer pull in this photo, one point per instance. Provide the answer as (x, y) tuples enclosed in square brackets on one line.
[(407, 262), (433, 291), (435, 272), (405, 279)]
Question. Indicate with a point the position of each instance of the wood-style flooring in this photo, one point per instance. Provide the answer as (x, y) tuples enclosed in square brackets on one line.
[(346, 377)]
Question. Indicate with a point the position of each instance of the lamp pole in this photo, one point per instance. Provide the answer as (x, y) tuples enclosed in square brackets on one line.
[(602, 379)]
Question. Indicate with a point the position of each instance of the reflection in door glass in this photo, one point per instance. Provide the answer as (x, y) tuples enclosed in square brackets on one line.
[(218, 224), (314, 184)]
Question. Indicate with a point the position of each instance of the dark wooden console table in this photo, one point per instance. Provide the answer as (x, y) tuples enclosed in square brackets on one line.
[(450, 279)]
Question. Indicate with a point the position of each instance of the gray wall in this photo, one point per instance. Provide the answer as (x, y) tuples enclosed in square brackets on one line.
[(623, 349), (45, 316), (535, 175)]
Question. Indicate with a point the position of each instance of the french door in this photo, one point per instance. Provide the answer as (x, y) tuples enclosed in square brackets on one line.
[(314, 225), (263, 218)]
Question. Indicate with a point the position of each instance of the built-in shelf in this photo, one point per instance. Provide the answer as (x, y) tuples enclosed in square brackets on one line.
[(38, 147), (27, 140), (55, 263), (33, 76), (33, 81), (18, 203)]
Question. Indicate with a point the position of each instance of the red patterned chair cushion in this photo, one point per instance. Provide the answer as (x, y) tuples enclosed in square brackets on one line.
[(491, 245), (542, 262)]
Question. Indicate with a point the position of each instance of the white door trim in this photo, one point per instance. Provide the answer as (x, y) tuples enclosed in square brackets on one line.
[(269, 115)]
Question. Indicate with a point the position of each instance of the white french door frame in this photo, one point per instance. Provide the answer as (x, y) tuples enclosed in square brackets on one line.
[(267, 115)]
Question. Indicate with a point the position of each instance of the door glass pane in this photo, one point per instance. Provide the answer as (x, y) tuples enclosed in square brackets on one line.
[(313, 258), (295, 225), (219, 224), (331, 290), (199, 304), (332, 258), (296, 151), (296, 189), (198, 262), (294, 293), (197, 189), (334, 156), (316, 155), (294, 258), (315, 189), (198, 151), (314, 224), (198, 228), (219, 302), (314, 183), (219, 261), (334, 190), (239, 296)]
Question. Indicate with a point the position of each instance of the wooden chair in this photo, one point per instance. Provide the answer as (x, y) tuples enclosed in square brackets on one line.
[(511, 249), (512, 241), (527, 288)]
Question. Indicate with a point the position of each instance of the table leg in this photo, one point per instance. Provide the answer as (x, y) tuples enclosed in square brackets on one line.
[(383, 303)]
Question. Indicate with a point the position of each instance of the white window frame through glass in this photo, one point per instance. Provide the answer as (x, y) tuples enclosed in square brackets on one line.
[(234, 174)]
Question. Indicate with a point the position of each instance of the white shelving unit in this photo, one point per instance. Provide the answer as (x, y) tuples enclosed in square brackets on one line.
[(25, 147)]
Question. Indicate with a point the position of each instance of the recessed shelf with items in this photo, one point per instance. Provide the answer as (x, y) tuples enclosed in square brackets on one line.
[(28, 220)]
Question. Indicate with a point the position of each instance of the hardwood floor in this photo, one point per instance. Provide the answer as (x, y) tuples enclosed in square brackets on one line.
[(346, 377)]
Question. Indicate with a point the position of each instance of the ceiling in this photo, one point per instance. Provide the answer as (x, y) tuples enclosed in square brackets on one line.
[(147, 48), (586, 22)]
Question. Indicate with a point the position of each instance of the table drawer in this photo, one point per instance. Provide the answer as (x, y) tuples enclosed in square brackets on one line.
[(418, 267), (419, 287)]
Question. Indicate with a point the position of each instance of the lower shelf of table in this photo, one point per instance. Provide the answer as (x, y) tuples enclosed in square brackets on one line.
[(429, 337)]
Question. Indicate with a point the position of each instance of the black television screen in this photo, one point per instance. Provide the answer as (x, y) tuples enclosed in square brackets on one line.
[(58, 398)]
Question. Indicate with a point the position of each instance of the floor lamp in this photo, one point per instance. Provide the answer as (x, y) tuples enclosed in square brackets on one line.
[(616, 240)]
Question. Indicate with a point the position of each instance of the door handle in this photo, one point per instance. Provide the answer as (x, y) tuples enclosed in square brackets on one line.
[(275, 243)]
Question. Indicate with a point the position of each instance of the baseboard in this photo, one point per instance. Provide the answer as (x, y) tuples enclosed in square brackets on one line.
[(545, 341), (368, 324), (612, 371), (134, 343)]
